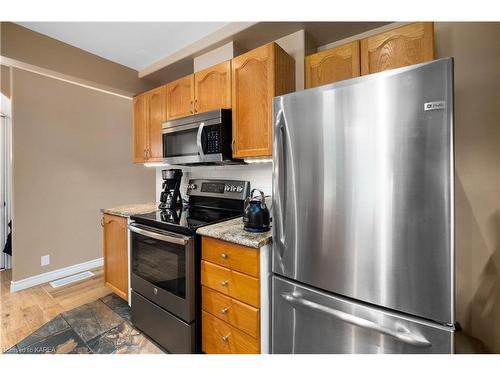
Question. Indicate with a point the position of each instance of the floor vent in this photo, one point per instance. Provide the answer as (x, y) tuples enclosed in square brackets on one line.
[(71, 279)]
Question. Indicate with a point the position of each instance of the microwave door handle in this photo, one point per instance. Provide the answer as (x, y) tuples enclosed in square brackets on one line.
[(159, 236), (198, 140)]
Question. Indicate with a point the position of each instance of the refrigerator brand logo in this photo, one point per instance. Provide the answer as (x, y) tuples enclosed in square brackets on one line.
[(431, 106)]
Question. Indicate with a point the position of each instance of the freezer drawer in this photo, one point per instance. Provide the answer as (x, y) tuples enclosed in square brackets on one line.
[(306, 320)]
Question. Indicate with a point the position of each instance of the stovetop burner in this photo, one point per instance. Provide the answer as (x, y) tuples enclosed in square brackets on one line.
[(185, 220)]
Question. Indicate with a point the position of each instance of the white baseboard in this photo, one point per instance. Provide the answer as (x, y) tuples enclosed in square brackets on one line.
[(43, 278)]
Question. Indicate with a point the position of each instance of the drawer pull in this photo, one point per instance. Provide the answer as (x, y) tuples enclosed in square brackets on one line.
[(224, 310), (224, 256), (224, 283), (225, 338)]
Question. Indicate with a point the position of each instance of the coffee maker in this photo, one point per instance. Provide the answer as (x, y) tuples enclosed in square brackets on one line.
[(170, 197)]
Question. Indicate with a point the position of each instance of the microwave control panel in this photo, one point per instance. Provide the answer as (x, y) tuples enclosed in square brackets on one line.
[(213, 141)]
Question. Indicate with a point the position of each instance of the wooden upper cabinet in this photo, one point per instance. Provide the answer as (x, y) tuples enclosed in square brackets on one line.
[(148, 115), (212, 88), (258, 76), (180, 98), (116, 254), (406, 45), (335, 64), (140, 128), (157, 115)]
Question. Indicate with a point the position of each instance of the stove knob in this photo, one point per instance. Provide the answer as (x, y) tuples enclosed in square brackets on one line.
[(228, 188), (239, 189), (233, 188), (193, 186)]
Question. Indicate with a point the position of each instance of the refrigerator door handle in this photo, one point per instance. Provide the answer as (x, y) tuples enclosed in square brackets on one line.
[(403, 336), (281, 198)]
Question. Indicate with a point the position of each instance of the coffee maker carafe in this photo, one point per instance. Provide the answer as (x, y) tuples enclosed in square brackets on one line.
[(170, 197)]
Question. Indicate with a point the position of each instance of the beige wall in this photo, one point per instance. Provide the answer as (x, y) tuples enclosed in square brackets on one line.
[(476, 49), (71, 157), (5, 80), (25, 45)]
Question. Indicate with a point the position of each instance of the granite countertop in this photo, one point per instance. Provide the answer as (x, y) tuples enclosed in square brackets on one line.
[(131, 209), (232, 231)]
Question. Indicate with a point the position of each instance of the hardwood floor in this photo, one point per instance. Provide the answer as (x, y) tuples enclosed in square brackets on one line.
[(25, 311)]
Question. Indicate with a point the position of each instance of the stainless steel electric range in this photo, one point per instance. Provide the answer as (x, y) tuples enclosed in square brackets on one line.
[(165, 262)]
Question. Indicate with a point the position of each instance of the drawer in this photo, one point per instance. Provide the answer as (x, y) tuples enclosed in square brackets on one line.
[(235, 284), (239, 258), (240, 315), (219, 337)]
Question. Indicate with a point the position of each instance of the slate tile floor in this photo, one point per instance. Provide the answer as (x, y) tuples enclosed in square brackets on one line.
[(101, 327)]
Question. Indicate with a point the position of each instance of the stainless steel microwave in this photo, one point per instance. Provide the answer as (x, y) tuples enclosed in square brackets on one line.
[(204, 138)]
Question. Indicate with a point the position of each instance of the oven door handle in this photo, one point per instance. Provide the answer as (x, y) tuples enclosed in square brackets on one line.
[(181, 240)]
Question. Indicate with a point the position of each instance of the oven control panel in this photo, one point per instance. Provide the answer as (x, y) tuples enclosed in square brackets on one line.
[(232, 189)]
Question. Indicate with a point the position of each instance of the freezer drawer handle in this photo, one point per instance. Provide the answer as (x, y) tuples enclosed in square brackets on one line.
[(406, 337)]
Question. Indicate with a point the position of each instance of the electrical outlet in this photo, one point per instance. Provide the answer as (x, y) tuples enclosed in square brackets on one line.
[(45, 260)]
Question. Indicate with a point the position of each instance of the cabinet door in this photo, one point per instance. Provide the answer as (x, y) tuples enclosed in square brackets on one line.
[(157, 115), (252, 95), (406, 45), (116, 254), (335, 64), (212, 88), (180, 97), (140, 128)]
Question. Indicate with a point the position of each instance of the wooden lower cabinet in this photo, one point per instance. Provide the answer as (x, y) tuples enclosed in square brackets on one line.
[(234, 284), (230, 298), (231, 311), (222, 338), (115, 243), (233, 256)]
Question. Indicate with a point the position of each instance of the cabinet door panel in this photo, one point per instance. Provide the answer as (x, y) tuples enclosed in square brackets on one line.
[(180, 97), (238, 314), (406, 45), (213, 88), (139, 124), (234, 284), (116, 254), (236, 257), (332, 65), (157, 115), (219, 337), (252, 93)]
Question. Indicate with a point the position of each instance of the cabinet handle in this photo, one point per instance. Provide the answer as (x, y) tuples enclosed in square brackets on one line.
[(232, 145), (191, 107), (224, 310), (102, 221), (225, 338), (224, 256), (148, 154), (145, 154), (224, 283), (195, 103)]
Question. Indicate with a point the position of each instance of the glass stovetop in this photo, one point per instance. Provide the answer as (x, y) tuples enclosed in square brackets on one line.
[(185, 219)]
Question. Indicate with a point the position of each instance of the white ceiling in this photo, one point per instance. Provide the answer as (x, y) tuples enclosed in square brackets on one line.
[(133, 44)]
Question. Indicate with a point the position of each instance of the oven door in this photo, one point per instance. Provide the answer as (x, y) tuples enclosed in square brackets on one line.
[(200, 142), (163, 269)]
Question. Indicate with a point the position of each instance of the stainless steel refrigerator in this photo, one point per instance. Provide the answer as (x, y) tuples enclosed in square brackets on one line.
[(363, 253)]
